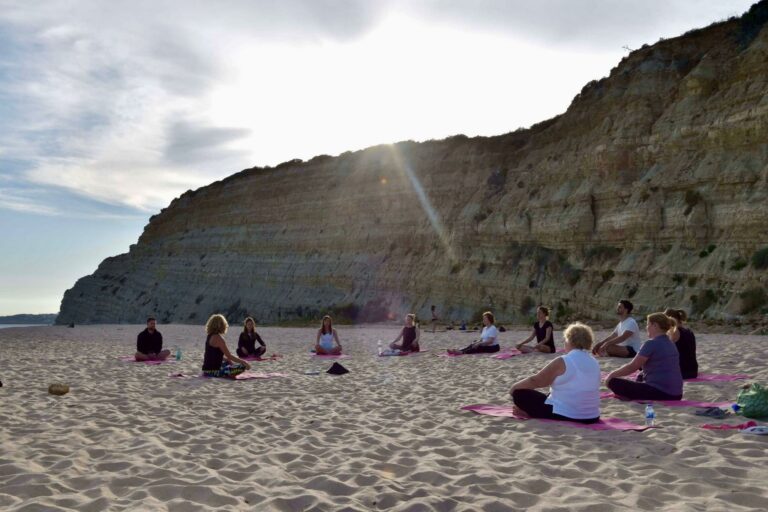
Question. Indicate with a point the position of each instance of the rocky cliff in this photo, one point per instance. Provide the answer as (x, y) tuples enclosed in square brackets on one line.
[(651, 186)]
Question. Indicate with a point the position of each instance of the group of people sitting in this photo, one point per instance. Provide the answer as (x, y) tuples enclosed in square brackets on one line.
[(663, 361), (218, 361)]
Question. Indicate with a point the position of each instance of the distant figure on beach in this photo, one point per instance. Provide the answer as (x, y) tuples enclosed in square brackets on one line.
[(217, 360), (625, 339), (543, 331), (409, 334), (573, 379), (327, 342), (488, 342), (463, 325), (685, 341), (434, 318), (149, 343), (246, 345), (659, 361)]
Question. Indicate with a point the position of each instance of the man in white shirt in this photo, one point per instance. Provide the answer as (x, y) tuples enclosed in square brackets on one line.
[(625, 340)]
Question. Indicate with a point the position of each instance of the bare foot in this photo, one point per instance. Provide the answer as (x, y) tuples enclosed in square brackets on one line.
[(519, 412)]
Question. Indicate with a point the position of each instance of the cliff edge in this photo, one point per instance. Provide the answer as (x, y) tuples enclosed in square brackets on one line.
[(651, 186)]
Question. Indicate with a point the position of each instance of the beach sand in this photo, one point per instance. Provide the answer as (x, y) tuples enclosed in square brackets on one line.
[(388, 435)]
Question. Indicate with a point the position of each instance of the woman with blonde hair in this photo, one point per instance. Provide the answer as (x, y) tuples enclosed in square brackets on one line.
[(685, 341), (660, 364), (573, 380), (246, 344), (327, 342), (217, 361), (488, 342)]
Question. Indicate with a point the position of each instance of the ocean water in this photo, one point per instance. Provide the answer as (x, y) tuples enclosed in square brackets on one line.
[(4, 326)]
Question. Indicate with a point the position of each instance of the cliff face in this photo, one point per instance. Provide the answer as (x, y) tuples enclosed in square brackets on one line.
[(651, 186)]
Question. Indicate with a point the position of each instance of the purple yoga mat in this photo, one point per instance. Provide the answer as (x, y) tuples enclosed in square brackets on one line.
[(671, 403), (505, 411), (715, 377), (132, 359)]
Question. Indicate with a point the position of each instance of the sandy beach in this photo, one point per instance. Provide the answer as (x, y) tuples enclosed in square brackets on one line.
[(389, 435)]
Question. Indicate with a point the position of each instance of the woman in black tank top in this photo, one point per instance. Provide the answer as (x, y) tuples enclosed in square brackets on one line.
[(409, 335), (216, 351), (685, 341), (543, 331)]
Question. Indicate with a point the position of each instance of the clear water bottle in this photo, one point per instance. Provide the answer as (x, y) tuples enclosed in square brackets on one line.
[(178, 353), (378, 346), (650, 416)]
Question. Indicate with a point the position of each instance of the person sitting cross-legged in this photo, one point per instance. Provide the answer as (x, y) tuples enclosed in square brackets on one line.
[(573, 379), (659, 361), (149, 343), (488, 342)]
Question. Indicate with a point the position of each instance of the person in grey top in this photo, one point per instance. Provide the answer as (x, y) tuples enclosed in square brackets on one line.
[(660, 364)]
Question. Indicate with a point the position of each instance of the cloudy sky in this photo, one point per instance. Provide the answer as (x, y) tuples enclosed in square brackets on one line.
[(108, 110)]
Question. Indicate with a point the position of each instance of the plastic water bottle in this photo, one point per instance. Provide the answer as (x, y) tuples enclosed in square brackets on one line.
[(378, 346), (178, 353), (650, 416)]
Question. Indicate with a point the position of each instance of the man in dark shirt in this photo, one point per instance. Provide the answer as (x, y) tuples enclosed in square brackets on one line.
[(149, 344)]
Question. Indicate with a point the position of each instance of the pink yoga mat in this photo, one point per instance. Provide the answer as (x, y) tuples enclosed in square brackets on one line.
[(715, 377), (132, 359), (671, 403), (507, 355), (703, 377), (513, 352), (328, 356), (246, 375), (604, 423), (740, 426), (446, 354)]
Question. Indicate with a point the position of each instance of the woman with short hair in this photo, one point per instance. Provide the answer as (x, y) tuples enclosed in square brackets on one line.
[(660, 364), (217, 361), (573, 380), (488, 342)]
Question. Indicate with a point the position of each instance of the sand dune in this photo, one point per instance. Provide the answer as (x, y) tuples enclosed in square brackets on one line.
[(389, 435)]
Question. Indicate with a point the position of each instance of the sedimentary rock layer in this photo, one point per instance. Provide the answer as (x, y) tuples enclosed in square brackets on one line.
[(651, 186)]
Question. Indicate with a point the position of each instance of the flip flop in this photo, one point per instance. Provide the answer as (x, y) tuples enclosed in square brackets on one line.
[(756, 431), (712, 412)]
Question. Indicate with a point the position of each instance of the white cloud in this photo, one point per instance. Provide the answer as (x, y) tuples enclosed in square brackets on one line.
[(13, 199), (133, 102)]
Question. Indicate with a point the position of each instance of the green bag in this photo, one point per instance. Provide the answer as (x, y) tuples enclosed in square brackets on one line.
[(753, 401)]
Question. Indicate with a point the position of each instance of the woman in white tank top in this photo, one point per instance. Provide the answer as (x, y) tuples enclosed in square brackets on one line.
[(327, 342), (574, 381)]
